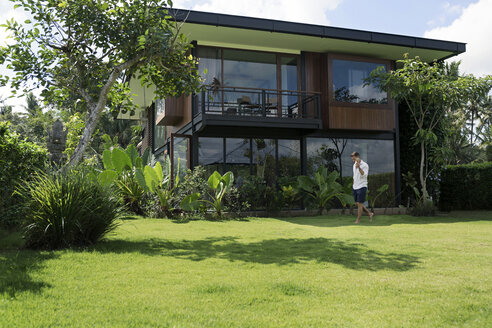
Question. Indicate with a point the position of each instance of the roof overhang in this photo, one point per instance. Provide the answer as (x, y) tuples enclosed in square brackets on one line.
[(279, 36)]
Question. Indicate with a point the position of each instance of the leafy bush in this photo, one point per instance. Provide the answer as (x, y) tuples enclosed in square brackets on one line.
[(67, 208), (375, 182), (466, 187), (220, 185), (323, 188), (423, 208), (120, 169), (19, 159)]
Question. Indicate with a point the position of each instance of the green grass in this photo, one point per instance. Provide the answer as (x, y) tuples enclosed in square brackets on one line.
[(399, 271)]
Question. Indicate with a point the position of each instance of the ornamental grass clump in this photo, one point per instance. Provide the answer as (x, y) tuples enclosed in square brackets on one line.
[(68, 208)]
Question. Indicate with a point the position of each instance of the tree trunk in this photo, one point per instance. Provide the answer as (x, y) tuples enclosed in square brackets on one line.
[(85, 139), (422, 178)]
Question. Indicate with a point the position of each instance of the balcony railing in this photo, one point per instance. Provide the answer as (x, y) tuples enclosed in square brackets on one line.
[(266, 103)]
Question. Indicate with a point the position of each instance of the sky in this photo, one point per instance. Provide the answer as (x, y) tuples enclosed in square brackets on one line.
[(456, 20)]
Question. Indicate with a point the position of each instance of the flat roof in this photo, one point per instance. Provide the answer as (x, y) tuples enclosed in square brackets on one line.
[(257, 33)]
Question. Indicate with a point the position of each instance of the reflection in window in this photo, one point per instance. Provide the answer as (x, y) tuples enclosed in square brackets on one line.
[(211, 154), (180, 158), (160, 132), (348, 82), (264, 159), (289, 158), (237, 156), (334, 153)]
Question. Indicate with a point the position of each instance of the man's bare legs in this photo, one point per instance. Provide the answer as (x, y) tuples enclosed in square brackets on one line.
[(360, 208)]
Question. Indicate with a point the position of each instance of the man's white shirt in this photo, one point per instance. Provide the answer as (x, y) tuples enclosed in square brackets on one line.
[(360, 180)]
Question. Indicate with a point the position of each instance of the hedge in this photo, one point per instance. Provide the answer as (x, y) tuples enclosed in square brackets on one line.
[(18, 160), (466, 187)]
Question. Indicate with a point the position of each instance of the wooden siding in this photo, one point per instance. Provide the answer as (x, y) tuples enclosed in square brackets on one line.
[(361, 118), (344, 116), (176, 110)]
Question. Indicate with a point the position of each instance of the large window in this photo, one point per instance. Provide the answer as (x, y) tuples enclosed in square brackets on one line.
[(160, 131), (266, 158), (334, 153), (348, 82)]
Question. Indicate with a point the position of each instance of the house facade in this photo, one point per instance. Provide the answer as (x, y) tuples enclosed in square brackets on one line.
[(282, 99)]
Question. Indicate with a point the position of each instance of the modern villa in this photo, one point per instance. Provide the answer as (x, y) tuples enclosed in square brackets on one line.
[(283, 98)]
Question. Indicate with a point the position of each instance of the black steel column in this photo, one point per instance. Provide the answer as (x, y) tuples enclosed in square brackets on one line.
[(303, 156), (397, 157)]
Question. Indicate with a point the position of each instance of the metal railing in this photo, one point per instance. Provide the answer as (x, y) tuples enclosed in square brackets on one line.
[(250, 102)]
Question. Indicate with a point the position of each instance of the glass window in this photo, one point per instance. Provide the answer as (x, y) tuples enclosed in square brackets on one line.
[(160, 132), (211, 154), (264, 159), (160, 136), (289, 158), (211, 61), (288, 72), (348, 82), (334, 153), (238, 154), (180, 156)]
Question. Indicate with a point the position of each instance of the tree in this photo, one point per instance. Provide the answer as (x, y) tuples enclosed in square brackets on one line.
[(87, 50), (429, 93)]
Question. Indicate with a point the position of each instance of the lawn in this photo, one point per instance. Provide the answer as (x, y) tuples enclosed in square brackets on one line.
[(325, 271)]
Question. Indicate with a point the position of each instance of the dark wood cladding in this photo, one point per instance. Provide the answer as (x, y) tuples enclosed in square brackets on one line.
[(352, 116), (176, 111), (361, 118), (339, 115)]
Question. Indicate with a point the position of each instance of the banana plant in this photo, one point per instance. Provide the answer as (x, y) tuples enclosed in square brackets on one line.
[(120, 167), (219, 186), (324, 187)]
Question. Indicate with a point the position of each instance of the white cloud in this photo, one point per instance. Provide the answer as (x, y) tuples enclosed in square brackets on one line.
[(8, 12), (448, 12), (307, 11), (474, 27)]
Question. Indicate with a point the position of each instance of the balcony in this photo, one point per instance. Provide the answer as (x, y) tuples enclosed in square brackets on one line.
[(249, 107)]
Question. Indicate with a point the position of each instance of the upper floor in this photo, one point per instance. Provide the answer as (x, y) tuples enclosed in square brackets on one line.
[(267, 73)]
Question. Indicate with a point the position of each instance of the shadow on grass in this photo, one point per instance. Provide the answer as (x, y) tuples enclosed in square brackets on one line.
[(276, 251), (383, 220), (16, 268)]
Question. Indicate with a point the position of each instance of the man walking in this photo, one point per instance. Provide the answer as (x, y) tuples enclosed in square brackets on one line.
[(359, 189)]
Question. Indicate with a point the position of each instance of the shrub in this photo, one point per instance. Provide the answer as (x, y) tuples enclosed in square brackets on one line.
[(19, 159), (423, 208), (120, 170), (466, 187), (67, 208), (323, 188)]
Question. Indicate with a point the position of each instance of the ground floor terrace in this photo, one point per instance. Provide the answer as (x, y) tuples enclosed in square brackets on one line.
[(279, 157)]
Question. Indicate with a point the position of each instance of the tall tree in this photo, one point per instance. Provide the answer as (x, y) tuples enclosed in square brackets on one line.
[(429, 93), (87, 49)]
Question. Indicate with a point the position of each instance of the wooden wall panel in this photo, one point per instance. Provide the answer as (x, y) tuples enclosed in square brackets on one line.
[(360, 118), (177, 113)]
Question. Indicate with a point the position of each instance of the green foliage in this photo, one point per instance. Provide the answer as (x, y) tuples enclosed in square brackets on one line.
[(466, 187), (19, 159), (160, 182), (290, 196), (75, 126), (123, 168), (219, 185), (82, 52), (67, 208), (429, 92), (323, 188), (423, 208), (380, 191)]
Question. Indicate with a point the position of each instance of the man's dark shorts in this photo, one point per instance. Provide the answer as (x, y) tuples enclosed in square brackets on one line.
[(359, 194)]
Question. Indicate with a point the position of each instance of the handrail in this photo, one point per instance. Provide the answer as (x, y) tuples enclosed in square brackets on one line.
[(208, 87), (298, 104)]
